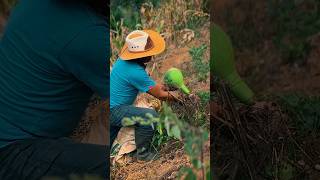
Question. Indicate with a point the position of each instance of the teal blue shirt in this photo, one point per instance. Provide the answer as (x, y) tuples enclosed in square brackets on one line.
[(53, 57), (127, 79)]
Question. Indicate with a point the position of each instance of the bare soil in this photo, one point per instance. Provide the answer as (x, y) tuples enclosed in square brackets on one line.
[(172, 158), (266, 73)]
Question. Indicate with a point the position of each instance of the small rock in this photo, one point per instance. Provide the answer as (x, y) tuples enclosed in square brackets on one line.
[(317, 167), (301, 163)]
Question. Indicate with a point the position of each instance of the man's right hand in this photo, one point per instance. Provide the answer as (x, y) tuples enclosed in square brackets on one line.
[(168, 88), (176, 95), (158, 92)]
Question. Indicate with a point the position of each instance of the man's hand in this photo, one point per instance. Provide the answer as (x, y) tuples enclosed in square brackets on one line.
[(158, 92), (168, 88), (175, 94)]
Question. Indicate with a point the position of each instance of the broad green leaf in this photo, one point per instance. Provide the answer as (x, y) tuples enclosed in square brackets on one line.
[(196, 163), (208, 175), (159, 127), (176, 132), (128, 122), (167, 126), (205, 135)]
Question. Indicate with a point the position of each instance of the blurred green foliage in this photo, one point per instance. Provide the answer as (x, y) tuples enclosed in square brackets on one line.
[(129, 11), (304, 111), (201, 66), (204, 96)]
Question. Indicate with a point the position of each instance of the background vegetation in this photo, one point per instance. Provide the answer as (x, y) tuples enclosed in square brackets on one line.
[(161, 15), (288, 24)]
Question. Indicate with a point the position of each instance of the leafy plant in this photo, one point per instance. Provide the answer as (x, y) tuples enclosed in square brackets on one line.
[(167, 17), (196, 19), (127, 12), (202, 67), (204, 96)]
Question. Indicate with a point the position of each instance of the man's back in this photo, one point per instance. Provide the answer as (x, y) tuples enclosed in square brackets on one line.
[(127, 79), (46, 75)]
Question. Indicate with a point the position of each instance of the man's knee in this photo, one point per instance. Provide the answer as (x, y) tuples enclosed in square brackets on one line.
[(152, 112)]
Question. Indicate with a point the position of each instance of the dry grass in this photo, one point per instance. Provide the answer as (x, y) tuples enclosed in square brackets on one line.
[(173, 19)]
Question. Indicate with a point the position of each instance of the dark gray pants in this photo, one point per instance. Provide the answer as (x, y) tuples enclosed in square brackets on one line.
[(120, 112)]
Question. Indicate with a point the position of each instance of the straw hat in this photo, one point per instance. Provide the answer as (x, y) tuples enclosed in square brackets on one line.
[(142, 44)]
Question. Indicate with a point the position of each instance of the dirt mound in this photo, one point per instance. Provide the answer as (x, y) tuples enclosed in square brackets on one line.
[(258, 142), (191, 110), (176, 59)]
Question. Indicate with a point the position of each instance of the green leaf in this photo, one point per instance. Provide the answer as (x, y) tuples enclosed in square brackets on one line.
[(190, 174), (128, 122), (160, 127), (160, 140), (196, 163), (176, 132), (167, 126), (208, 175), (205, 135)]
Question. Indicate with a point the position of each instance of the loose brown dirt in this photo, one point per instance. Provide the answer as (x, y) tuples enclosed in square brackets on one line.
[(266, 73), (172, 158)]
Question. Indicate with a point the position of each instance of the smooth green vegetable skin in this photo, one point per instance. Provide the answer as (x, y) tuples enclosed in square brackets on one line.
[(222, 64), (174, 77)]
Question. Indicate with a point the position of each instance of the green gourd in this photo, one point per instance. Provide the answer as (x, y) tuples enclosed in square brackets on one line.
[(223, 66), (173, 77)]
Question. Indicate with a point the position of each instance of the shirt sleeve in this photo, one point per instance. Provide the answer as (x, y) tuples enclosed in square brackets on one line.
[(141, 80), (87, 58)]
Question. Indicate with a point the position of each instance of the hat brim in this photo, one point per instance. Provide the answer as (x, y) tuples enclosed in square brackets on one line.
[(158, 47)]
